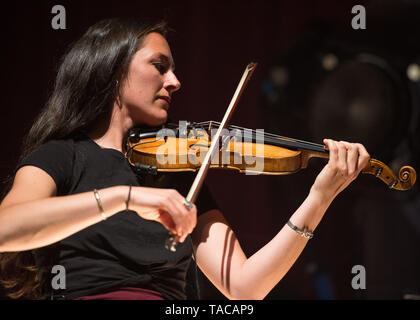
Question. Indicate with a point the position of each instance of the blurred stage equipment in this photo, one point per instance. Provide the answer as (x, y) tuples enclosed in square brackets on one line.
[(349, 85), (358, 86)]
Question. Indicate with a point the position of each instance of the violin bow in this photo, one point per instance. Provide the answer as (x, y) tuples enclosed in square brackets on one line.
[(202, 172)]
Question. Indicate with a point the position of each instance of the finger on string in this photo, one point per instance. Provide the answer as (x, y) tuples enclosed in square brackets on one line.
[(352, 157), (364, 157), (342, 158), (326, 144), (333, 151)]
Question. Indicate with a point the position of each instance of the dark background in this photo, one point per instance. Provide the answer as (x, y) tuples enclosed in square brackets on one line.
[(290, 94)]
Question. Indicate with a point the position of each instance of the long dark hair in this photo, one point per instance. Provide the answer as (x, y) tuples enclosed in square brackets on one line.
[(87, 84)]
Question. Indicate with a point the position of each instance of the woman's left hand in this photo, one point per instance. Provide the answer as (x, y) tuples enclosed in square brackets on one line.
[(345, 163)]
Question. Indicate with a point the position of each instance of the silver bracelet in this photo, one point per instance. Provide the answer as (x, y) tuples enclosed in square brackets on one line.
[(304, 233), (98, 200)]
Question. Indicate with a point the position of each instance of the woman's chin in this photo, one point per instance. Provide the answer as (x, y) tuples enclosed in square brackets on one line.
[(158, 121)]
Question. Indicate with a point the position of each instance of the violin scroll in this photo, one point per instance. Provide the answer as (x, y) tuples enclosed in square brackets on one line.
[(405, 180)]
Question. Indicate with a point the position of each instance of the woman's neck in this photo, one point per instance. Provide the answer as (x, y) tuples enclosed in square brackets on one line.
[(110, 134)]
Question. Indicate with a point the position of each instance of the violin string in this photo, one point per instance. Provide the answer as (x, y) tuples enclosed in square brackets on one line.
[(299, 143), (249, 130), (278, 137), (304, 143), (282, 137)]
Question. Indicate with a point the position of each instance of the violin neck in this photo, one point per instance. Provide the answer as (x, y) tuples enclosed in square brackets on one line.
[(257, 136), (279, 141), (296, 144)]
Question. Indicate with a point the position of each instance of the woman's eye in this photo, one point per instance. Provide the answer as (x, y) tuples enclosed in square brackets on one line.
[(160, 67)]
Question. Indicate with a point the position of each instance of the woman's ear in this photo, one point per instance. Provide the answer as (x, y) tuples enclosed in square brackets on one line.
[(118, 94)]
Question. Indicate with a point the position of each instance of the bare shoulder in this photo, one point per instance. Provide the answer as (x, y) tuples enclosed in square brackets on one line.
[(30, 183)]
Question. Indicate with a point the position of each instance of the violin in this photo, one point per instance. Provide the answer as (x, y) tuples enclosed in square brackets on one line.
[(199, 147), (177, 148)]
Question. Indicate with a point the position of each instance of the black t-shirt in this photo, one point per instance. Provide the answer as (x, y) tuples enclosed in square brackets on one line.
[(124, 250)]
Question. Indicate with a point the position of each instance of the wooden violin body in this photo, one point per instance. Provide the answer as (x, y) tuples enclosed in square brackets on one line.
[(247, 151)]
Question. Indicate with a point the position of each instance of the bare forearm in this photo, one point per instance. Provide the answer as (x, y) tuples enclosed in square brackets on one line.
[(263, 270), (38, 223), (221, 257)]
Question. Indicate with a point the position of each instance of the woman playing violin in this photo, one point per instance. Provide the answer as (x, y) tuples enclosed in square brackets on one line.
[(76, 202)]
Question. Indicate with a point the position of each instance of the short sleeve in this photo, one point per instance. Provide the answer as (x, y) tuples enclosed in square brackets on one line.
[(55, 158)]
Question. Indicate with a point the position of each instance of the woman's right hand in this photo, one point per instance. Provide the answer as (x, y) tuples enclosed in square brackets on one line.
[(165, 206)]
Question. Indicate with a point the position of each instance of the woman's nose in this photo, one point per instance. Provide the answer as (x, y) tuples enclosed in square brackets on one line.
[(172, 83)]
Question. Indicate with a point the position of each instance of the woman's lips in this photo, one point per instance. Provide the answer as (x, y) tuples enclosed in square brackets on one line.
[(167, 101)]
